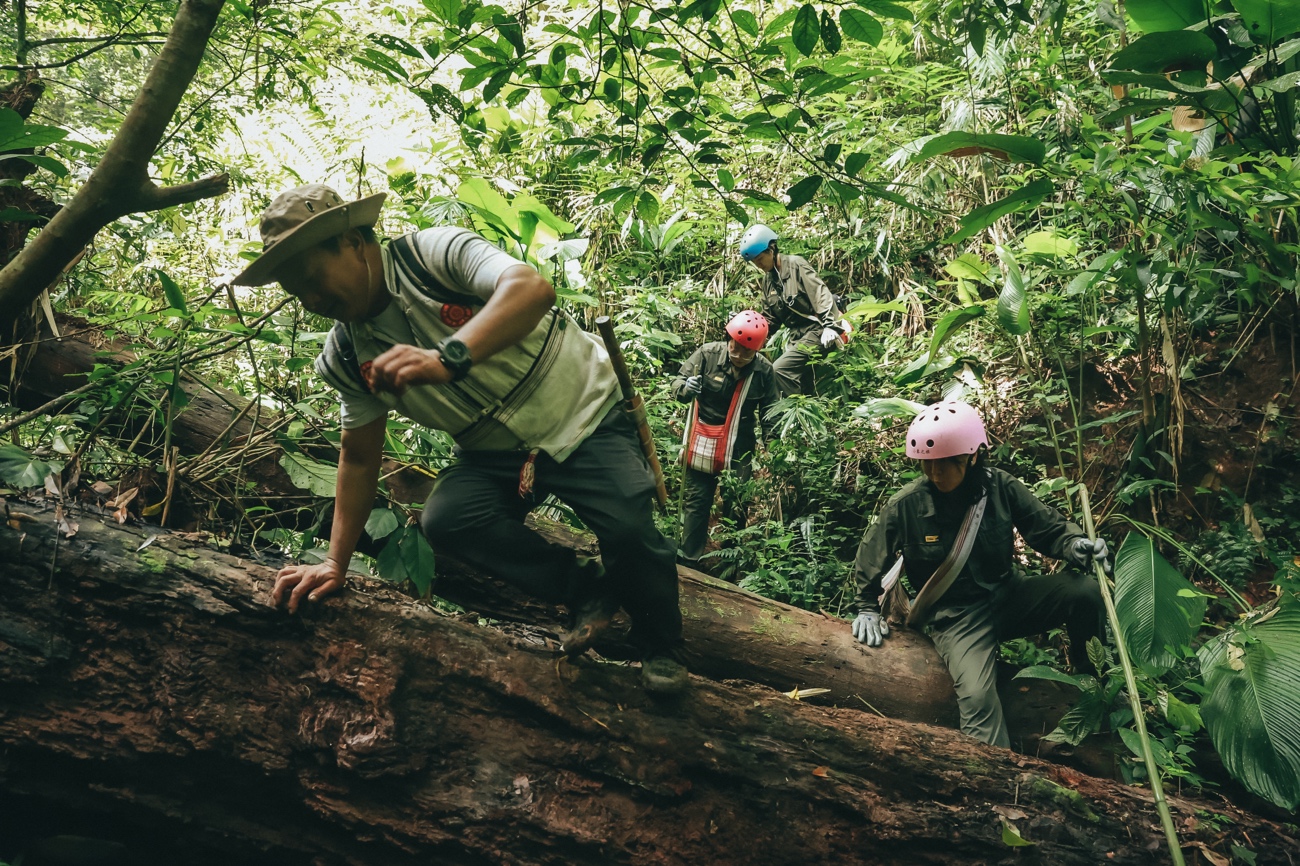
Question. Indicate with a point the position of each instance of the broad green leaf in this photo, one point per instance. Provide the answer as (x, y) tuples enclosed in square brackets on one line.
[(1269, 21), (983, 217), (803, 191), (381, 523), (745, 20), (175, 297), (855, 162), (1083, 719), (968, 266), (1013, 302), (830, 33), (1151, 611), (1016, 148), (950, 323), (885, 9), (1166, 52), (17, 214), (308, 474), (806, 30), (417, 557), (1133, 741), (1045, 672), (16, 134), (1096, 270), (20, 469), (869, 309), (1049, 243), (526, 203), (1181, 715), (48, 163), (647, 206), (1282, 83), (860, 26), (490, 204), (879, 408), (1252, 712), (1154, 16), (563, 251), (736, 212), (1013, 839)]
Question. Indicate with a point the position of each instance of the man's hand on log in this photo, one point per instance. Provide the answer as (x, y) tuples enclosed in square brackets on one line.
[(309, 582)]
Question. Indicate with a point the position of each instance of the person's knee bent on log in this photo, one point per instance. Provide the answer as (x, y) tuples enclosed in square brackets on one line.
[(955, 530)]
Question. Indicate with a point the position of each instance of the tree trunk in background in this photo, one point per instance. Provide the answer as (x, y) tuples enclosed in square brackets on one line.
[(152, 698), (120, 184)]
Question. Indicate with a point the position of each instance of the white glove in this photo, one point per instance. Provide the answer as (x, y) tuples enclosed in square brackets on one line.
[(870, 628), (830, 337), (1083, 551)]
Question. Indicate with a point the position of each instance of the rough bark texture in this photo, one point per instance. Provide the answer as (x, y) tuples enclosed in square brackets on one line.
[(733, 634), (152, 692), (120, 183)]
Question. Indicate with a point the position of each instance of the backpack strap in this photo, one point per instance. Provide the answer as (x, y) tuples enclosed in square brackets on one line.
[(407, 258)]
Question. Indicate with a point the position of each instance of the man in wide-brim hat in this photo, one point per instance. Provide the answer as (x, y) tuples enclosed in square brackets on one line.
[(456, 335)]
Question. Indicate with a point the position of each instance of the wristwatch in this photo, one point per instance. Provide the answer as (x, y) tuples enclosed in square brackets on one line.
[(455, 357)]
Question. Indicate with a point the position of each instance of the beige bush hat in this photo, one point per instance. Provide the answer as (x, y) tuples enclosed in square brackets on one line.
[(302, 218)]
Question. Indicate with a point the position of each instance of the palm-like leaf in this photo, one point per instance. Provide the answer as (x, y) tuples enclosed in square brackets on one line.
[(1157, 607), (1253, 709)]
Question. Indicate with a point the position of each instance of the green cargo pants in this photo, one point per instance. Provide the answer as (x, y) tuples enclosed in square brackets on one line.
[(476, 512), (793, 363), (967, 638), (697, 503)]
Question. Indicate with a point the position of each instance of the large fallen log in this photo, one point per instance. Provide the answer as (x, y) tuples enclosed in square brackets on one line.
[(153, 696), (733, 634)]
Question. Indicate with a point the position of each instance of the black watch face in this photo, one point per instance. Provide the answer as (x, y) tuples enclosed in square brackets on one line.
[(455, 352)]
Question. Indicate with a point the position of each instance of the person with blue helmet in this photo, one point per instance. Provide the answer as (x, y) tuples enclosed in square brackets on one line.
[(795, 297)]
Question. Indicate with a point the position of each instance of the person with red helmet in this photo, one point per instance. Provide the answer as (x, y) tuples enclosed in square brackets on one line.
[(731, 388), (952, 533)]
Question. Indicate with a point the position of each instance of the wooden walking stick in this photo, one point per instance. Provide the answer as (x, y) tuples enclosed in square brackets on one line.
[(634, 405)]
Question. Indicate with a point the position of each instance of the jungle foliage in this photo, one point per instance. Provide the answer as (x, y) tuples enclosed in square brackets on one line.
[(1080, 216)]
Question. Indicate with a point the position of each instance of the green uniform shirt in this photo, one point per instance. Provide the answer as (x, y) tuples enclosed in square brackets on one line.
[(913, 526), (795, 296), (713, 364)]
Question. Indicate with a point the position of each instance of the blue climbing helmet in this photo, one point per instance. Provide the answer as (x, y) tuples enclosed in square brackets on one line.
[(756, 240)]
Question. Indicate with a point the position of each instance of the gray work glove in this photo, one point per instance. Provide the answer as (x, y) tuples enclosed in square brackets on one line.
[(870, 628), (829, 337), (1082, 551), (694, 388)]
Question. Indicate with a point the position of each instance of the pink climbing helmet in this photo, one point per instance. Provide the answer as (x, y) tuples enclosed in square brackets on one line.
[(945, 430), (749, 329)]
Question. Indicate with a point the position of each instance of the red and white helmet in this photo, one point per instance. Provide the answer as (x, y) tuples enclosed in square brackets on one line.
[(749, 329), (945, 430)]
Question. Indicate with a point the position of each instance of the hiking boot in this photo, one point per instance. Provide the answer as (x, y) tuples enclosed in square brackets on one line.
[(663, 676), (594, 613)]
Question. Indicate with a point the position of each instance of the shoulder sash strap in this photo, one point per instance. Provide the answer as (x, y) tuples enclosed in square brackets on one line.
[(952, 565)]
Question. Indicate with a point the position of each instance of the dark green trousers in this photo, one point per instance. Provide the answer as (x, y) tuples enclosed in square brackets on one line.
[(697, 505), (475, 512), (967, 638), (791, 367)]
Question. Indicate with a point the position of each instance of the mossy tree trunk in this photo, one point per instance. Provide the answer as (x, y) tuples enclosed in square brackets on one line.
[(152, 693)]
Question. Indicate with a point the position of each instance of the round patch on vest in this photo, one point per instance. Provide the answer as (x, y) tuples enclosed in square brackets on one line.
[(455, 315)]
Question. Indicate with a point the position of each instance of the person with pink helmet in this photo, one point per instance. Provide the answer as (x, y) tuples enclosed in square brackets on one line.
[(952, 533), (731, 388)]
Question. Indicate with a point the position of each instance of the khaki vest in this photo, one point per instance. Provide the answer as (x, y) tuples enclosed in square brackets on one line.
[(549, 391)]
